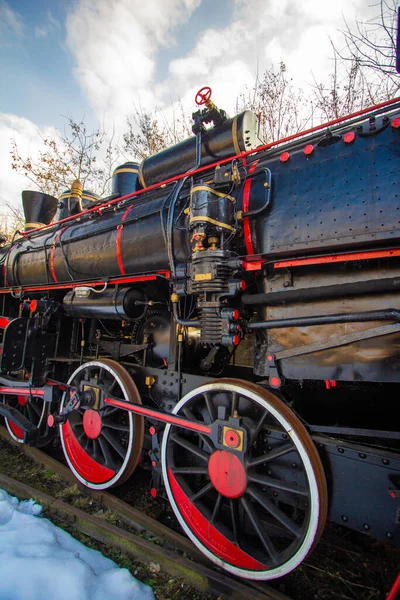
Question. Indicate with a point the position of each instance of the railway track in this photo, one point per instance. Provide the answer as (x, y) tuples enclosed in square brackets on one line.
[(169, 552)]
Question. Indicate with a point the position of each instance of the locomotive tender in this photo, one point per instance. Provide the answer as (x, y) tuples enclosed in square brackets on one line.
[(229, 316)]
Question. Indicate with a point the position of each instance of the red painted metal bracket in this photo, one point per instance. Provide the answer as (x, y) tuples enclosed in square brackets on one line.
[(336, 258)]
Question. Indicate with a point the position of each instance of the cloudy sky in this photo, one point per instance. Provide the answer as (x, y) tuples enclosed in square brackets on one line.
[(98, 58)]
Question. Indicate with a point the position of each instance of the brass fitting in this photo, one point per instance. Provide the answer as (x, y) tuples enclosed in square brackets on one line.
[(213, 243), (150, 381), (77, 191), (174, 298), (198, 238)]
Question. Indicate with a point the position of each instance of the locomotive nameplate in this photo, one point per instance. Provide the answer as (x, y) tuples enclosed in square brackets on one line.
[(203, 277)]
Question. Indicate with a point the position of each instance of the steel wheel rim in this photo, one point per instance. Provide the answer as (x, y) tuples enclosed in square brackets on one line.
[(312, 468), (133, 427)]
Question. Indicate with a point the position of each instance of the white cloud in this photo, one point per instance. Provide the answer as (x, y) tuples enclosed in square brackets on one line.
[(28, 137), (41, 32), (10, 21), (264, 33), (115, 46), (52, 25), (53, 21)]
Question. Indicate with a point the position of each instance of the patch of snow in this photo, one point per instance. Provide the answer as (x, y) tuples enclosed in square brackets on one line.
[(39, 560)]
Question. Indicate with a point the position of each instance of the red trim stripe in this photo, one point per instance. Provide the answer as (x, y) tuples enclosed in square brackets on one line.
[(337, 258), (118, 241), (246, 201), (63, 286), (51, 258)]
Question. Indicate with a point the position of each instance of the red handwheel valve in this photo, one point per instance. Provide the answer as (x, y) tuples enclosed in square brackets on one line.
[(203, 96)]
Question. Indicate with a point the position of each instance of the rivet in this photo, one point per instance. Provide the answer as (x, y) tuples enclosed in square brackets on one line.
[(341, 450), (349, 137), (362, 455), (344, 518), (366, 527), (308, 150), (396, 123), (389, 535), (385, 461), (284, 157)]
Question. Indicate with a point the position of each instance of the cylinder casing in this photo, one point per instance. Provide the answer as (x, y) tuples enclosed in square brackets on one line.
[(124, 304), (230, 137)]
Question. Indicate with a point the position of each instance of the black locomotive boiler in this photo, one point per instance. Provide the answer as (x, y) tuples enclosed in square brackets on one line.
[(230, 316)]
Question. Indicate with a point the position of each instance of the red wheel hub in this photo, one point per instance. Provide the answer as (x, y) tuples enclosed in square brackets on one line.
[(91, 424), (227, 474)]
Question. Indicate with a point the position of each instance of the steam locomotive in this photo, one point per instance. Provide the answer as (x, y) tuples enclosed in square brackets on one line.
[(230, 317)]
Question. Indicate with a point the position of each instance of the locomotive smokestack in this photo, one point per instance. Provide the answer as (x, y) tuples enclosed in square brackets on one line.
[(39, 209)]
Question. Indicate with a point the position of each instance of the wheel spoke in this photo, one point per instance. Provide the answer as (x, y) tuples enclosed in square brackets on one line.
[(31, 414), (110, 410), (273, 510), (112, 440), (112, 386), (255, 521), (235, 520), (105, 448), (216, 508), (119, 427), (189, 446), (97, 454), (259, 426), (206, 441), (189, 470), (277, 453), (88, 444), (210, 407), (36, 408), (207, 488), (276, 483)]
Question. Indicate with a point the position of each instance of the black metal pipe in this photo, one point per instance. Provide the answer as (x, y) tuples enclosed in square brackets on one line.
[(258, 211), (182, 321), (322, 293), (390, 314)]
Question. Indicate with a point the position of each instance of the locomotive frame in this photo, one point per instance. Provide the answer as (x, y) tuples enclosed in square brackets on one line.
[(244, 267)]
